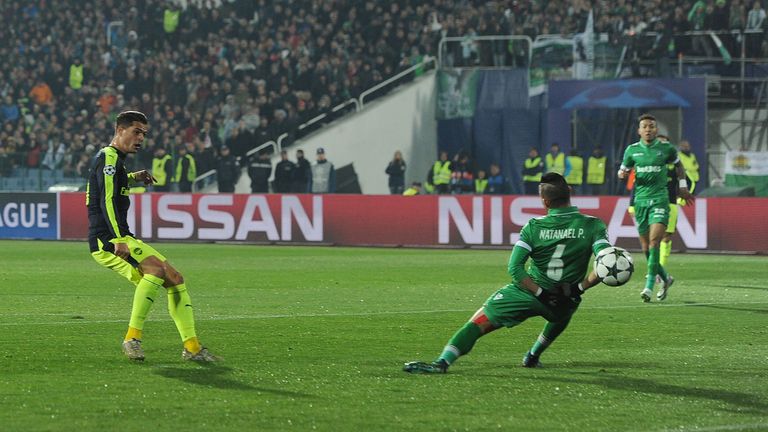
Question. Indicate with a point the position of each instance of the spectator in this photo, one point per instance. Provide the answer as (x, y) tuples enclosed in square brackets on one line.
[(186, 170), (396, 172), (41, 93), (754, 34), (285, 172), (323, 178), (497, 185), (302, 174), (533, 168), (10, 110), (227, 170), (557, 162), (259, 170), (162, 170), (462, 176)]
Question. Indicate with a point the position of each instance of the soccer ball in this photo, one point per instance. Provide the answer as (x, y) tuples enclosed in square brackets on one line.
[(614, 266)]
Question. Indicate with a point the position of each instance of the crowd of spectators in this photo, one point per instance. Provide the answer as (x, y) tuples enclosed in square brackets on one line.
[(240, 73)]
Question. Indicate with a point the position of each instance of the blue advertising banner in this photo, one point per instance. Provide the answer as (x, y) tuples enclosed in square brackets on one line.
[(29, 216)]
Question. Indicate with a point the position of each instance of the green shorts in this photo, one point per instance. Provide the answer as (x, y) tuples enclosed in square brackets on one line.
[(645, 216), (673, 209), (127, 268), (511, 305)]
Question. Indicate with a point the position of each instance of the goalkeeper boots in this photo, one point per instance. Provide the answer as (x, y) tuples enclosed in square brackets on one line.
[(662, 294), (202, 356), (435, 367), (132, 349), (645, 294), (531, 361)]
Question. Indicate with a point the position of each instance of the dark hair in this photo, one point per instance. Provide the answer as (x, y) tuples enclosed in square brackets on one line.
[(126, 118), (646, 116), (554, 188)]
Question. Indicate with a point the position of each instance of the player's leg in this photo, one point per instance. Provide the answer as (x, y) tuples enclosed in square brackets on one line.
[(665, 247), (548, 335)]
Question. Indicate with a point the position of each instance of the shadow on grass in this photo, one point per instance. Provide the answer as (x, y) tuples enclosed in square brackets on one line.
[(746, 287), (217, 376), (746, 403), (731, 308)]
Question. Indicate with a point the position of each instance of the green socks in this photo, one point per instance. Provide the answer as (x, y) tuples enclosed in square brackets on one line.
[(461, 343), (551, 331), (180, 308), (654, 268), (143, 299)]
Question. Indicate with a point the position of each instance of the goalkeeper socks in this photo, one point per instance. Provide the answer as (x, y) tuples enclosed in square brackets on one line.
[(653, 267), (540, 345), (461, 343), (548, 335), (666, 249), (143, 299), (180, 308)]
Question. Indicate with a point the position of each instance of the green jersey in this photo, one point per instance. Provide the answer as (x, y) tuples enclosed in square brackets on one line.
[(650, 163), (559, 245)]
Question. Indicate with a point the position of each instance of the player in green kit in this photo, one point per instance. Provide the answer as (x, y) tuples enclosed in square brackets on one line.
[(559, 246), (649, 157)]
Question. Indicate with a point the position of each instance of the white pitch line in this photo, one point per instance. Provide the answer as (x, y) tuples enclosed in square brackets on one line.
[(361, 314), (720, 428)]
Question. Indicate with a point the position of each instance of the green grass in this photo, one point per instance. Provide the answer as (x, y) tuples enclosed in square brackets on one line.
[(314, 338)]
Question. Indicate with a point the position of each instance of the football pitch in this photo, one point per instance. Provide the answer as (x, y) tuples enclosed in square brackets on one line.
[(314, 338)]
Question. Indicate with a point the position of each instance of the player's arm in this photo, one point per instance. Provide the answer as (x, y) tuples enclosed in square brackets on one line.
[(685, 194), (599, 242), (626, 165), (143, 176), (516, 269)]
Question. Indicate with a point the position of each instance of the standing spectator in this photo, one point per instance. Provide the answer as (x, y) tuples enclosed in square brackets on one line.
[(186, 170), (441, 174), (755, 20), (533, 168), (396, 171), (697, 17), (596, 167), (323, 174), (575, 177), (285, 172), (259, 170), (497, 185), (301, 176), (6, 165), (76, 75), (690, 163), (10, 110), (162, 170), (227, 170), (556, 161), (41, 93)]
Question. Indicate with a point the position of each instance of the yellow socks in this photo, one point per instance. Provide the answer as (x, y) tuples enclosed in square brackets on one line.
[(193, 345), (180, 308), (665, 248), (143, 299), (133, 333)]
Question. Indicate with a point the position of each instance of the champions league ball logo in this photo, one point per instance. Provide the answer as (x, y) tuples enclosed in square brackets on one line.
[(626, 94)]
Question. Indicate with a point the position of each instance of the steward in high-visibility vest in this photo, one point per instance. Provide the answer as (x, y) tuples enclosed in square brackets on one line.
[(576, 176), (171, 20), (441, 174), (689, 161), (533, 168), (76, 75), (556, 161), (596, 169), (186, 170), (415, 189), (162, 170), (481, 182)]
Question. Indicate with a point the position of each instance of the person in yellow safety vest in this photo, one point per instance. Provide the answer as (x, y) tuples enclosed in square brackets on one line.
[(76, 75), (575, 178), (691, 165), (171, 19), (162, 170), (414, 189), (557, 162), (186, 170), (481, 182), (441, 174), (533, 168), (596, 168)]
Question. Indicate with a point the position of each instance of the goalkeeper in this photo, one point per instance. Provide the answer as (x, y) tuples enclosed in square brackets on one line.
[(559, 246)]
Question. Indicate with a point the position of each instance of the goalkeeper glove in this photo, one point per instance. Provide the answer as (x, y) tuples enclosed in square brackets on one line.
[(570, 291), (548, 298)]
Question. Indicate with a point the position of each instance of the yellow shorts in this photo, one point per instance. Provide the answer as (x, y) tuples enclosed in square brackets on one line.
[(673, 209), (127, 268)]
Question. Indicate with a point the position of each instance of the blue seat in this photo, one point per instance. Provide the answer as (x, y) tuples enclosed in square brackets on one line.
[(32, 184), (14, 184)]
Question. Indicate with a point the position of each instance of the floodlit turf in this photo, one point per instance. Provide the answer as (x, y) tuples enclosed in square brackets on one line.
[(315, 338)]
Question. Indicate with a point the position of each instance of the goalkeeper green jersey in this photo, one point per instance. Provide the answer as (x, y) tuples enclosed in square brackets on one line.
[(650, 164), (559, 245)]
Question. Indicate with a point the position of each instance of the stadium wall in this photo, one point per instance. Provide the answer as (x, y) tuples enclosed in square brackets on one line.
[(712, 224), (402, 120)]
